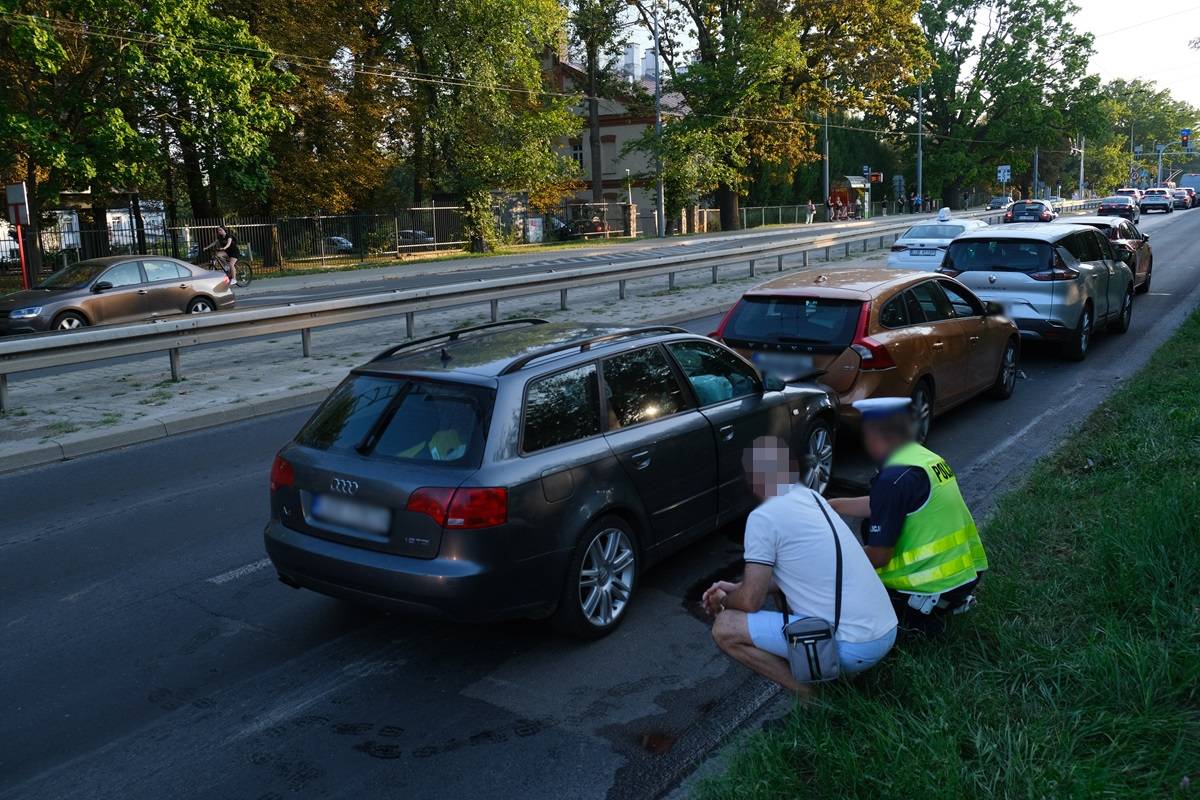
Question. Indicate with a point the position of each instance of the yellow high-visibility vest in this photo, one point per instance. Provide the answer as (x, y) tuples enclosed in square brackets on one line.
[(939, 547)]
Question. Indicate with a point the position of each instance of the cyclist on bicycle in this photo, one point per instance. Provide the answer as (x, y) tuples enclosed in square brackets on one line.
[(227, 252)]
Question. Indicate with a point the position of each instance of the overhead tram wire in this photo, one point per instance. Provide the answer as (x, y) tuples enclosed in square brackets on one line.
[(402, 74)]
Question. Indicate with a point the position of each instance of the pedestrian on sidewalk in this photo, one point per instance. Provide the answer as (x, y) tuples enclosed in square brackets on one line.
[(812, 213), (790, 544), (920, 535)]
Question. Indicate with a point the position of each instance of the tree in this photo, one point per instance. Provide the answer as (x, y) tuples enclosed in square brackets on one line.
[(752, 73), (487, 117), (1008, 76), (598, 33), (95, 85)]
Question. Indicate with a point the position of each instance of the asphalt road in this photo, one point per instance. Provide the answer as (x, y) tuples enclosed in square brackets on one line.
[(149, 651)]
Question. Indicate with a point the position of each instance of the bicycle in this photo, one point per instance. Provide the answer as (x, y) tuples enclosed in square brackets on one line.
[(245, 270)]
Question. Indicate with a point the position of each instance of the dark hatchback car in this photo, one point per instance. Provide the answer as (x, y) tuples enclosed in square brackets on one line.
[(1129, 244), (527, 469), (112, 290), (1120, 206), (1030, 211)]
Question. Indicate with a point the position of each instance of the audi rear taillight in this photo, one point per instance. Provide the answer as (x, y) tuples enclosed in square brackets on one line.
[(282, 474), (899, 248), (1045, 216), (464, 508), (873, 354)]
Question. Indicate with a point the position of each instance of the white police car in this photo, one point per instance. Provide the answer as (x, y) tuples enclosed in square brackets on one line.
[(923, 245)]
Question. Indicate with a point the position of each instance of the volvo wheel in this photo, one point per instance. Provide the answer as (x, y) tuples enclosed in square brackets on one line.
[(922, 410), (818, 447), (1006, 378)]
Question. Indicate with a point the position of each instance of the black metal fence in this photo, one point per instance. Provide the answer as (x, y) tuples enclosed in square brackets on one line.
[(274, 244)]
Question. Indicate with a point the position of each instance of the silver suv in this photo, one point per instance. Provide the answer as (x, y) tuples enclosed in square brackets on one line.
[(528, 469), (1058, 282)]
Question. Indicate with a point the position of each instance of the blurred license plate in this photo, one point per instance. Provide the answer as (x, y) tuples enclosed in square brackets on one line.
[(783, 365), (351, 513), (1029, 217), (923, 252)]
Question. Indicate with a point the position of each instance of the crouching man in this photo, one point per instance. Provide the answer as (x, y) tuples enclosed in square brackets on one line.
[(789, 545)]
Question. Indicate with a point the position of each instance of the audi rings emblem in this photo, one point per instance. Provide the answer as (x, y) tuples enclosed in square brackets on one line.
[(344, 486)]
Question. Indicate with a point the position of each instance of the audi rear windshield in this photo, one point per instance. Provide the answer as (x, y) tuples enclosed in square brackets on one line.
[(819, 321), (417, 421), (997, 255)]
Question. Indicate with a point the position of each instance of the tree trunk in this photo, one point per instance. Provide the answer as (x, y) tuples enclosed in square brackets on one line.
[(193, 178), (95, 240), (139, 224), (593, 70), (32, 234), (952, 194), (172, 207), (727, 201)]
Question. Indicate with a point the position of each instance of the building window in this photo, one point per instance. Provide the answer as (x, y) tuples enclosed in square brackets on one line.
[(577, 152)]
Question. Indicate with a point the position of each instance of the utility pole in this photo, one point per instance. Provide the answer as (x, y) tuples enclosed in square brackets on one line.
[(661, 204), (825, 166), (1082, 141), (920, 142), (1036, 152)]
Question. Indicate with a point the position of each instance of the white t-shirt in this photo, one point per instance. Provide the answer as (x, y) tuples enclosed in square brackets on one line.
[(789, 534)]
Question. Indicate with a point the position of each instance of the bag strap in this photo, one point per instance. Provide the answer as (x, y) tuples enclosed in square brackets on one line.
[(837, 544)]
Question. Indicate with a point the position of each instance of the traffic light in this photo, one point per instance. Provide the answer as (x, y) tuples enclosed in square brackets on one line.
[(1185, 139)]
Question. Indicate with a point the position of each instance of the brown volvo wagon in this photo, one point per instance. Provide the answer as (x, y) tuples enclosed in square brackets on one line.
[(878, 333)]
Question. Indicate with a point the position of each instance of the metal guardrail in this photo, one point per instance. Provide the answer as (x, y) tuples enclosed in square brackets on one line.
[(172, 335)]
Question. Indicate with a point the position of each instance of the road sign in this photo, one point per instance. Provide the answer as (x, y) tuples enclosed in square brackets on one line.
[(875, 177), (866, 170), (898, 185), (18, 214), (17, 203), (1138, 149), (1004, 173)]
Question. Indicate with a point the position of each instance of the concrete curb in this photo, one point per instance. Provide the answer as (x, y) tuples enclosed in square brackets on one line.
[(22, 455)]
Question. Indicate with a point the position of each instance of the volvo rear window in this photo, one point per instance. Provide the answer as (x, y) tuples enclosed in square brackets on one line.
[(997, 255), (429, 422), (793, 320)]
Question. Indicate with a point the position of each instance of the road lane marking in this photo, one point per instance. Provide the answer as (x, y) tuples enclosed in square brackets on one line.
[(240, 572), (986, 459)]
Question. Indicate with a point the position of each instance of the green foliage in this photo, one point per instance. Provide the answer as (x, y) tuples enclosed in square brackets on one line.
[(1008, 75), (755, 76), (1078, 675), (495, 126), (97, 80)]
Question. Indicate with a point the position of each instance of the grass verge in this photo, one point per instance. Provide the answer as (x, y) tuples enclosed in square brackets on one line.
[(1078, 675)]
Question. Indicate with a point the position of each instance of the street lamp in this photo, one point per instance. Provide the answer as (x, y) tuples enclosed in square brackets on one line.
[(662, 212)]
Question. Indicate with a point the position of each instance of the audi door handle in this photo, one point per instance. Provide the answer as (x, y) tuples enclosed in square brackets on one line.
[(641, 459), (727, 432)]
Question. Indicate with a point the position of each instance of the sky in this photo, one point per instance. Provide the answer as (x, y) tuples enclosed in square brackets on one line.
[(1145, 40)]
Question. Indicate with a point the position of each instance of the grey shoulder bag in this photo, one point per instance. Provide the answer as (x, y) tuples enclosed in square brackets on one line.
[(811, 647)]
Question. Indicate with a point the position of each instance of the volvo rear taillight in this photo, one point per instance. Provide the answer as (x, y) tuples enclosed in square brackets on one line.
[(719, 333), (282, 474), (873, 354), (463, 508)]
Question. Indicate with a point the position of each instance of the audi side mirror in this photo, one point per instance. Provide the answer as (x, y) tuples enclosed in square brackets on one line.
[(101, 286)]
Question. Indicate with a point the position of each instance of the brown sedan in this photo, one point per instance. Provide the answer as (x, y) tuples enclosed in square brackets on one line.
[(115, 289), (878, 333)]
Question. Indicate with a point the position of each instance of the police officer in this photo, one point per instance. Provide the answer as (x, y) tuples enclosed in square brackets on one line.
[(919, 534)]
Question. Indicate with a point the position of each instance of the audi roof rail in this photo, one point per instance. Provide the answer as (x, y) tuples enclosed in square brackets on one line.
[(583, 345), (454, 335)]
